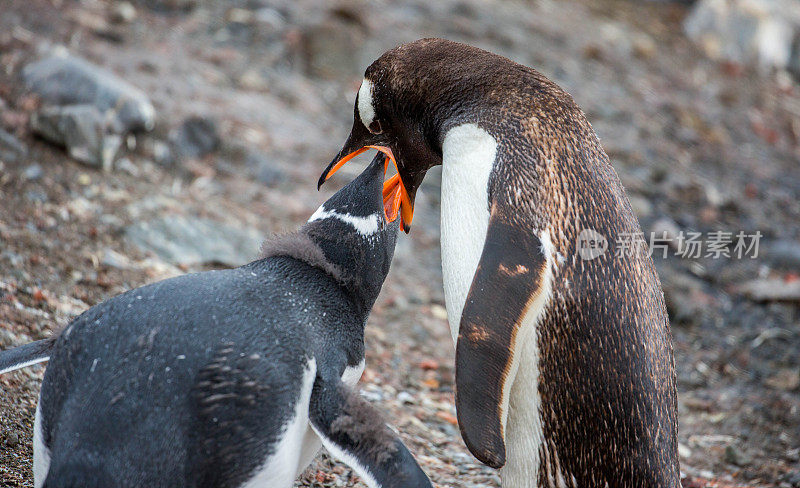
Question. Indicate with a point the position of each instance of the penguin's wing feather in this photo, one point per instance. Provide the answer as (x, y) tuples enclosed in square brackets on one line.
[(353, 431), (26, 355), (511, 275)]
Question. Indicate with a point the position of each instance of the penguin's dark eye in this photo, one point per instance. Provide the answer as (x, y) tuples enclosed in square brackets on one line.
[(375, 127)]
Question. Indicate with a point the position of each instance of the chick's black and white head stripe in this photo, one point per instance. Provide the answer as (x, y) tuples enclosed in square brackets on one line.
[(359, 204)]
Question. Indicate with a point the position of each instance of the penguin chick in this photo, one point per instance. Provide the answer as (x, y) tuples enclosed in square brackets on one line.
[(230, 378)]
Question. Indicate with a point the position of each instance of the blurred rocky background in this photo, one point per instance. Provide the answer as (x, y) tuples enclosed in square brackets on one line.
[(142, 139)]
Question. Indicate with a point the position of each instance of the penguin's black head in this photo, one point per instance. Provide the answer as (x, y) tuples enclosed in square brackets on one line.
[(407, 99), (352, 231)]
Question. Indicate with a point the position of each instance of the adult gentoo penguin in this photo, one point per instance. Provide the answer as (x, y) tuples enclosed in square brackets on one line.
[(229, 378), (564, 366)]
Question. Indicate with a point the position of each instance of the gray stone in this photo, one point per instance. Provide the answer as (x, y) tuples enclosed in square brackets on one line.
[(82, 130), (196, 137), (11, 148), (63, 79), (793, 478), (735, 456), (113, 259), (641, 206), (36, 196), (269, 17), (12, 439), (760, 32), (666, 230), (123, 13), (771, 290), (33, 172), (183, 240)]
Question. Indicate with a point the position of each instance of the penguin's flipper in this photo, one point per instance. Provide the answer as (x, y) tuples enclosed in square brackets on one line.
[(353, 431), (26, 355), (510, 277)]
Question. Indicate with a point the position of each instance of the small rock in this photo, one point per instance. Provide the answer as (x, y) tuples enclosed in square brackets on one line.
[(172, 5), (63, 79), (196, 137), (447, 417), (82, 130), (12, 439), (269, 17), (429, 364), (641, 206), (36, 196), (785, 379), (239, 15), (162, 153), (758, 32), (771, 290), (33, 172), (665, 230), (405, 398), (735, 456), (644, 46), (793, 478), (439, 311), (182, 240), (126, 165), (123, 13), (11, 148), (253, 80), (113, 259)]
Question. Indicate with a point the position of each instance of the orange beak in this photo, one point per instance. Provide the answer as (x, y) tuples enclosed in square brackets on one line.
[(395, 196)]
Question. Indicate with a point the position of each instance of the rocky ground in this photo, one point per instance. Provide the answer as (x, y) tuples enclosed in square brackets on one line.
[(252, 98)]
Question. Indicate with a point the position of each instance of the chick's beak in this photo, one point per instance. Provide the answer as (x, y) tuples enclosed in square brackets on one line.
[(396, 199)]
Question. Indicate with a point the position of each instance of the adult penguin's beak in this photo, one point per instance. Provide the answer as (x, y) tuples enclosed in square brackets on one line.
[(396, 199)]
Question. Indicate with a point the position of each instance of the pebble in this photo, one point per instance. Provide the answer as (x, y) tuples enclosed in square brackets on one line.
[(771, 290), (82, 130), (196, 137), (735, 456), (33, 172), (123, 13), (405, 398), (756, 32), (12, 439), (63, 79), (641, 206), (786, 379)]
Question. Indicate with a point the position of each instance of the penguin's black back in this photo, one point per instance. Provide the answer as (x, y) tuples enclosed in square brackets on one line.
[(192, 376)]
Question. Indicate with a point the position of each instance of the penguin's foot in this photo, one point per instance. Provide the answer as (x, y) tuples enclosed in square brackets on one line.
[(353, 431)]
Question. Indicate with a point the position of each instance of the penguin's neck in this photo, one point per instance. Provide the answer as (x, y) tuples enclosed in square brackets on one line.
[(468, 156)]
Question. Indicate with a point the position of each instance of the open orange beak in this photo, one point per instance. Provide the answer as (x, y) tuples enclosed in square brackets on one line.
[(395, 197)]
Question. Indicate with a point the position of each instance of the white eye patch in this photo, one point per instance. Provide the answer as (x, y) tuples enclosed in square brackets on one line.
[(365, 108)]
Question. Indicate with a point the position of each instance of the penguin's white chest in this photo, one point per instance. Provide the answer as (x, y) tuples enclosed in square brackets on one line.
[(299, 444), (281, 468), (468, 155)]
